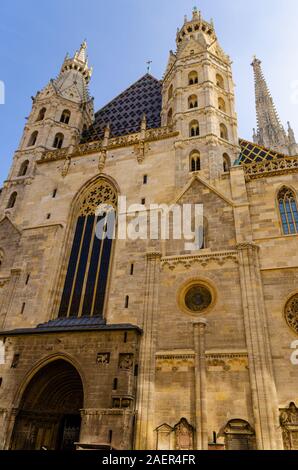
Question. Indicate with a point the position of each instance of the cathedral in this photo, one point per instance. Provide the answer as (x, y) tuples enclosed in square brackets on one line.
[(121, 343)]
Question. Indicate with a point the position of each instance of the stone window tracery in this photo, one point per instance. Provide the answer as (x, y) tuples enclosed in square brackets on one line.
[(291, 313)]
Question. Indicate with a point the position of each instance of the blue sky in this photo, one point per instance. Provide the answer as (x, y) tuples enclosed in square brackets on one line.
[(123, 34)]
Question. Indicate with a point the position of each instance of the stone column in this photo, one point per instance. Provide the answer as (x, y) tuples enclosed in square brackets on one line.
[(10, 418), (264, 400), (145, 394), (199, 329)]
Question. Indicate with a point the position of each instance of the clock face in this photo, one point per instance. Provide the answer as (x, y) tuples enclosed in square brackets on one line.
[(198, 298)]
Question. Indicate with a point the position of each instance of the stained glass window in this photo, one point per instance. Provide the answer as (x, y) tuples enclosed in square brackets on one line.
[(89, 262), (288, 211)]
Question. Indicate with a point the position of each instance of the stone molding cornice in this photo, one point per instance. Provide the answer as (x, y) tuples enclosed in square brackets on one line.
[(215, 361), (187, 261), (152, 255), (106, 411), (248, 246), (18, 181), (277, 167), (151, 135)]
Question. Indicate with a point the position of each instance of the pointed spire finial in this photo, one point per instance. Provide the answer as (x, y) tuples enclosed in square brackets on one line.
[(82, 53), (195, 12), (185, 18), (149, 62)]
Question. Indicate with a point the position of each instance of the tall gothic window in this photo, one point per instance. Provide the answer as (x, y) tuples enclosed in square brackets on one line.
[(226, 162), (33, 139), (194, 161), (288, 211), (23, 168), (192, 102), (12, 200), (41, 114), (222, 104), (58, 141), (88, 267), (193, 78), (65, 116), (194, 129), (223, 132), (220, 81)]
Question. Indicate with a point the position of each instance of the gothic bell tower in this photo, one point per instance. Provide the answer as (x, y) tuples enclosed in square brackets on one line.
[(198, 99), (60, 112)]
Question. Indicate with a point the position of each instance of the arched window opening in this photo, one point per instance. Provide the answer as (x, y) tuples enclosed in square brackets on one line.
[(12, 200), (222, 105), (193, 78), (194, 129), (239, 435), (65, 116), (226, 163), (170, 117), (24, 168), (288, 211), (41, 114), (33, 139), (192, 102), (170, 92), (223, 132), (58, 141), (220, 81), (195, 161), (89, 262)]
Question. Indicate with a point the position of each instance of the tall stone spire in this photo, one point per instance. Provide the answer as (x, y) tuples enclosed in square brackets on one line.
[(270, 131)]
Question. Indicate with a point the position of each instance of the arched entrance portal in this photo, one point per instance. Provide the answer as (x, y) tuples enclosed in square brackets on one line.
[(49, 413)]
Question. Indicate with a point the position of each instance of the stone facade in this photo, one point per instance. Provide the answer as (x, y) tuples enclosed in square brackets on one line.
[(150, 373)]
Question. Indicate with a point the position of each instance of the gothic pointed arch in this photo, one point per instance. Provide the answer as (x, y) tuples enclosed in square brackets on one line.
[(89, 258), (49, 409)]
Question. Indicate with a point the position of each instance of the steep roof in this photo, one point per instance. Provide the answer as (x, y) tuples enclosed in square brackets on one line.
[(124, 113)]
